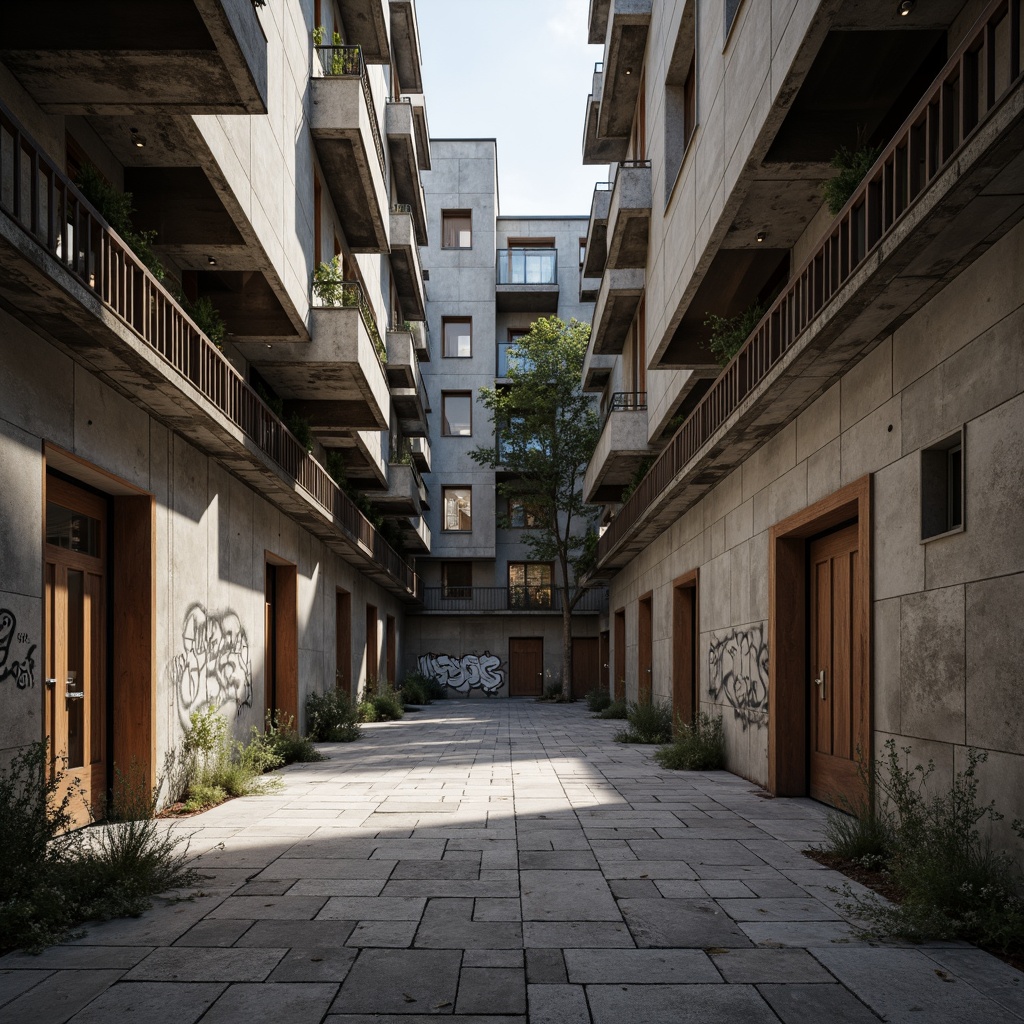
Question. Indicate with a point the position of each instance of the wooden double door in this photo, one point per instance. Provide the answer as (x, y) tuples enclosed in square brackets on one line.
[(77, 685)]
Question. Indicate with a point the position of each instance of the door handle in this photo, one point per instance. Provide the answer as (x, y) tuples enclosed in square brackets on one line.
[(78, 695), (820, 683)]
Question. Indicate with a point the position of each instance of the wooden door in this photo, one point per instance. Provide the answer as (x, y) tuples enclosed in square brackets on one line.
[(372, 650), (620, 654), (603, 655), (270, 639), (281, 696), (76, 700), (585, 675), (343, 641), (837, 694), (391, 655), (644, 651), (684, 652), (525, 666)]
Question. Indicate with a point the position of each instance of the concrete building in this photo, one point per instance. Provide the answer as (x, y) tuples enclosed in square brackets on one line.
[(821, 541), (166, 543), (490, 622)]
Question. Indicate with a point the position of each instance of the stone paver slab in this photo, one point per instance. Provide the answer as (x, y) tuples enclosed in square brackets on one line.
[(328, 965), (678, 1004), (13, 983), (567, 896), (296, 1003), (182, 963), (580, 934), (643, 966), (305, 934), (764, 966), (148, 1002), (368, 908), (491, 990), (280, 908), (681, 924), (816, 1004), (558, 1004), (421, 981)]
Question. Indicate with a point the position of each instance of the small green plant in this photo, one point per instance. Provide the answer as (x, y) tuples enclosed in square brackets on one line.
[(615, 711), (728, 334), (328, 285), (598, 699), (208, 319), (852, 166), (642, 469), (698, 746), (416, 689), (288, 744), (332, 717), (649, 722), (387, 703)]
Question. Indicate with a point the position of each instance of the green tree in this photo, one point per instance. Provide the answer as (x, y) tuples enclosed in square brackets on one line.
[(546, 429)]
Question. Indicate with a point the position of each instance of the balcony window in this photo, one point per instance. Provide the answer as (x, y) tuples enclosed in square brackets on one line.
[(529, 585), (458, 509), (457, 413), (458, 337), (457, 581), (528, 266), (524, 516), (456, 229), (509, 355)]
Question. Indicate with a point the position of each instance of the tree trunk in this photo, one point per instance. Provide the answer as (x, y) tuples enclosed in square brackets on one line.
[(566, 645)]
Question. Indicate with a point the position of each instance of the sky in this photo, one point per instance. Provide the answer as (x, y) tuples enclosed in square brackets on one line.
[(518, 71)]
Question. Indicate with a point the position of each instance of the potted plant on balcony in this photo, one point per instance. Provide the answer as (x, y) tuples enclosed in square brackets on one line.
[(729, 333)]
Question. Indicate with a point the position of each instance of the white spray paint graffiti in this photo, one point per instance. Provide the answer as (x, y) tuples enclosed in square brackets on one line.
[(214, 667), (470, 672)]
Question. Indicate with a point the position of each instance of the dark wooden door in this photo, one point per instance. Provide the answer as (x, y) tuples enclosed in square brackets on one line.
[(620, 655), (837, 695), (684, 651), (525, 666), (343, 641), (644, 650), (391, 655), (372, 650), (604, 653), (585, 673)]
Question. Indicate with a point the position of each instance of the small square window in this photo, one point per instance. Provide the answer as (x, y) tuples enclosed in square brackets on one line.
[(456, 229), (458, 509), (458, 337), (942, 487), (457, 414), (457, 580)]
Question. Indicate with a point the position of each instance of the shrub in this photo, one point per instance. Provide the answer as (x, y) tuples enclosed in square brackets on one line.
[(387, 703), (616, 710), (332, 717), (648, 723), (950, 881), (288, 744), (598, 699), (51, 879), (436, 690), (699, 746), (416, 689), (852, 165), (728, 334)]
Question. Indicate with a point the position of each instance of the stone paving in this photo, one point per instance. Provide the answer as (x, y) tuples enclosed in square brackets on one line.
[(503, 861)]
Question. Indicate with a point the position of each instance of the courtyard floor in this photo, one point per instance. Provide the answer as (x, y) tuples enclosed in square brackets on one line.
[(503, 861)]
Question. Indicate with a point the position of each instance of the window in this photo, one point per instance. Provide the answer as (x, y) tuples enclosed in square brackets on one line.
[(457, 580), (524, 516), (508, 353), (458, 509), (458, 337), (942, 487), (457, 413), (456, 229), (680, 98), (529, 585), (583, 250), (731, 9)]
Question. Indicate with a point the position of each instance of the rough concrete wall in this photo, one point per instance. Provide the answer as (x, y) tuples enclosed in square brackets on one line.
[(946, 630), (213, 534)]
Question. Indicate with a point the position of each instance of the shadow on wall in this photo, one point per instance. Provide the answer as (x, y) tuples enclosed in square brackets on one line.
[(463, 674), (738, 674)]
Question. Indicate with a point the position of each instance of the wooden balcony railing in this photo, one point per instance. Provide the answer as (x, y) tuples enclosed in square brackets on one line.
[(522, 598), (985, 66), (37, 196)]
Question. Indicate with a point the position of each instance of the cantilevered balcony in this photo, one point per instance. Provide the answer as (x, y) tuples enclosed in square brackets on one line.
[(420, 338), (419, 117), (400, 127), (405, 263), (527, 280), (616, 306), (598, 150), (415, 534), (343, 122), (364, 454), (73, 280), (405, 45), (538, 599), (337, 379), (624, 45), (405, 494), (621, 448), (597, 370), (120, 57), (419, 448), (595, 256), (629, 215), (598, 22), (408, 394), (948, 185), (366, 23)]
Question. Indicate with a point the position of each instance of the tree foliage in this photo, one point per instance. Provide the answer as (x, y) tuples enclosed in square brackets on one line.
[(546, 428)]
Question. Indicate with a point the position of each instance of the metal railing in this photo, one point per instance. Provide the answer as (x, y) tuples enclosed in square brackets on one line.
[(42, 200), (526, 598), (633, 165), (336, 293), (527, 266), (347, 62), (985, 66), (623, 401), (402, 208)]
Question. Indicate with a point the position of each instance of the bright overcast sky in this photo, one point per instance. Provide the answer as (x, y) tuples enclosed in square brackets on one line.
[(518, 71)]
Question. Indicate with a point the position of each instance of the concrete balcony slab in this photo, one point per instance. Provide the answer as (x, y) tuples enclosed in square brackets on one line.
[(405, 45), (629, 216), (624, 46), (400, 128), (616, 306), (406, 271), (366, 25), (595, 256), (621, 448)]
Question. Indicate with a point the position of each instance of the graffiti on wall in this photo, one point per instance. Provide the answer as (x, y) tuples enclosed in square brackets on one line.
[(213, 668), (470, 672), (20, 670), (738, 673)]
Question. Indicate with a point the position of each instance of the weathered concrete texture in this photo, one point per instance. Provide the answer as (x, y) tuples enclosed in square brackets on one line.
[(689, 901)]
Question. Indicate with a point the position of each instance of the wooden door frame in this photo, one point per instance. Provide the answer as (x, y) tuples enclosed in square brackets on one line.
[(688, 581), (391, 650), (286, 637), (788, 625), (619, 654), (645, 652)]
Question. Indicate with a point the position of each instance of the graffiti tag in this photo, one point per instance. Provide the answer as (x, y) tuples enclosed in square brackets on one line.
[(21, 670), (470, 672), (738, 672), (213, 668)]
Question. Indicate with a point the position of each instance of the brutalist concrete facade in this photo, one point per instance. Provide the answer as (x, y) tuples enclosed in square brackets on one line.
[(876, 385), (166, 544)]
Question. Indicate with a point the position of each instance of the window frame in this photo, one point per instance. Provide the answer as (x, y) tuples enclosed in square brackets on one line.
[(445, 321), (444, 509), (452, 215), (941, 463), (456, 591), (526, 585), (445, 395)]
